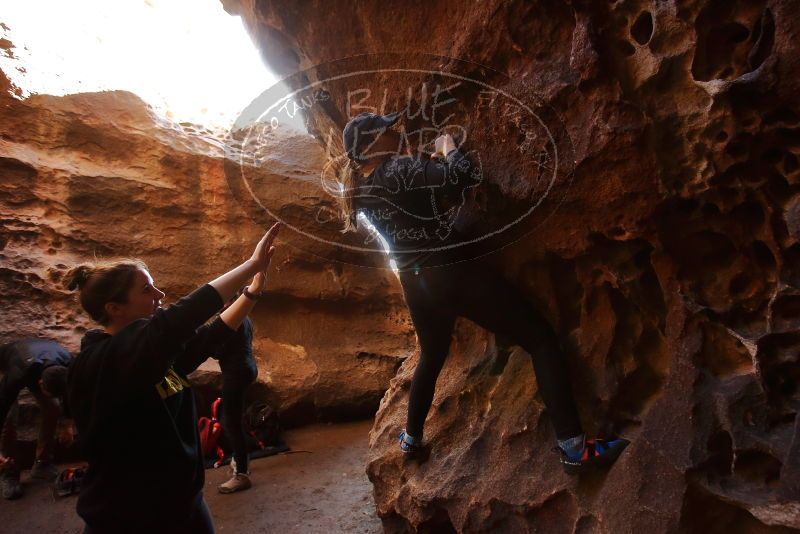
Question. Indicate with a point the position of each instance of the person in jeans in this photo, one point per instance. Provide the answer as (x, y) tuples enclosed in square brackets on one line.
[(41, 366), (411, 201), (239, 371), (132, 403)]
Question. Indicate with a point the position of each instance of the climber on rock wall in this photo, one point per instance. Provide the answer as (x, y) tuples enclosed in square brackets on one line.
[(132, 403), (408, 201)]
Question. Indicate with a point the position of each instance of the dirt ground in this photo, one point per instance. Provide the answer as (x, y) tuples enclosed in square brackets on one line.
[(319, 487)]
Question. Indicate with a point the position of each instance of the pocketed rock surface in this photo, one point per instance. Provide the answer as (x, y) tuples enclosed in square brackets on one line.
[(670, 268)]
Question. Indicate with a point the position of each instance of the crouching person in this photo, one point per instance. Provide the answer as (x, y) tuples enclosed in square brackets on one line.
[(41, 366), (132, 403)]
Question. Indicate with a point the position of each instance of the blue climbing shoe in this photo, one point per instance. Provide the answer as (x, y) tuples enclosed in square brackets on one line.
[(597, 453), (409, 445)]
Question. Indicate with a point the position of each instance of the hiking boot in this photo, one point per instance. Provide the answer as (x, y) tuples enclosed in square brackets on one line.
[(239, 482), (44, 470), (11, 487), (596, 453)]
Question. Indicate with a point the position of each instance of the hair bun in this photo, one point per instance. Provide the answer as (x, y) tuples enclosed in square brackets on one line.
[(77, 277)]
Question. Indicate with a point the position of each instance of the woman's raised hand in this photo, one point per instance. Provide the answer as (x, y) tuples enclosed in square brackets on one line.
[(227, 284), (264, 249)]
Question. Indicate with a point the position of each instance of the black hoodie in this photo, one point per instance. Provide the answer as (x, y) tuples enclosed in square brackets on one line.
[(136, 418), (414, 204)]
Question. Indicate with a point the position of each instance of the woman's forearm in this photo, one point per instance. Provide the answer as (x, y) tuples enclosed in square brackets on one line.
[(227, 284), (230, 282), (234, 315)]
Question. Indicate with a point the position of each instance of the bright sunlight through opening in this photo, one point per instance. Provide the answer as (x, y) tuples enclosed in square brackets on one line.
[(189, 59)]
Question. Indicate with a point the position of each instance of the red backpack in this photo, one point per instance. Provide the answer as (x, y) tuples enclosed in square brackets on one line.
[(210, 431)]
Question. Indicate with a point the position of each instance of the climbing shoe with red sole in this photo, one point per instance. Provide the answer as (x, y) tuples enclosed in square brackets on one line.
[(597, 453)]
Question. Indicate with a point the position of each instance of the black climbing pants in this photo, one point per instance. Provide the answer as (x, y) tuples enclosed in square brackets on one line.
[(235, 381), (436, 296)]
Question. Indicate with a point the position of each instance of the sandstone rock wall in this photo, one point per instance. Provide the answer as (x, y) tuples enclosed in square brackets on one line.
[(100, 175), (670, 267)]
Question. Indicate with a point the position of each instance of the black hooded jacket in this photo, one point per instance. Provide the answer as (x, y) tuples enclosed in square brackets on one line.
[(136, 417), (413, 204)]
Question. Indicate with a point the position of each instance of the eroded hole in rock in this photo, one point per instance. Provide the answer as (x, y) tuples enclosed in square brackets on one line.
[(734, 32), (626, 48), (637, 390), (747, 321), (720, 454), (786, 312), (705, 251), (738, 147), (782, 116), (749, 215), (642, 29), (725, 183), (778, 188), (705, 513), (740, 284), (503, 517), (779, 348), (782, 380), (588, 524), (756, 467), (732, 39), (19, 181), (779, 360), (500, 361), (772, 156), (749, 120), (790, 272), (440, 523), (652, 295), (721, 353), (789, 137), (710, 209), (753, 180), (540, 30), (764, 256), (790, 163)]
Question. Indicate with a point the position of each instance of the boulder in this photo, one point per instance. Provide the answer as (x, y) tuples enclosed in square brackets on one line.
[(665, 255)]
